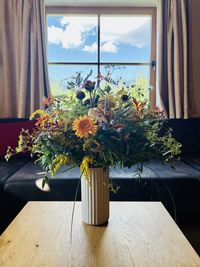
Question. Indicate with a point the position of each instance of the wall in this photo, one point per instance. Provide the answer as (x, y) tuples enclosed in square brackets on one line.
[(1, 78), (194, 58)]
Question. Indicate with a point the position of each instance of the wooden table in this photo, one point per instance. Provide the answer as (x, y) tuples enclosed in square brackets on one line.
[(138, 234)]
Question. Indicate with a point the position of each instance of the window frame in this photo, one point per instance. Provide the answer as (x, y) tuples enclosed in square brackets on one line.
[(97, 10)]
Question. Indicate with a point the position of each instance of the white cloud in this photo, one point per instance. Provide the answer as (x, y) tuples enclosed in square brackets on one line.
[(109, 47), (128, 30), (55, 35), (105, 47), (90, 48), (74, 31)]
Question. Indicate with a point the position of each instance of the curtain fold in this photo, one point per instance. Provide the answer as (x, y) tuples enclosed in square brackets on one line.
[(23, 60), (172, 93)]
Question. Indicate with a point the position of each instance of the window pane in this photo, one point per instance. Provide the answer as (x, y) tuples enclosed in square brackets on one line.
[(61, 75), (72, 38), (125, 38), (128, 74)]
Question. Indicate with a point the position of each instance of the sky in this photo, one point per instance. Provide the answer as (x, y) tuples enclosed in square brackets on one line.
[(124, 39)]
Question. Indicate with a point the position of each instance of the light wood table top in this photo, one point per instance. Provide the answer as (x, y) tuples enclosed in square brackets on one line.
[(139, 234)]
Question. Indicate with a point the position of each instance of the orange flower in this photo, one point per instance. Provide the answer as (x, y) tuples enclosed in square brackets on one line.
[(47, 101), (84, 126), (42, 120), (139, 105)]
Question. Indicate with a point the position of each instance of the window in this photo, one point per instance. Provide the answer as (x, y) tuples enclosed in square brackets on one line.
[(97, 40)]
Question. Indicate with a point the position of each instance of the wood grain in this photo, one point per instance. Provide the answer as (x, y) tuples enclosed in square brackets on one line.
[(140, 234)]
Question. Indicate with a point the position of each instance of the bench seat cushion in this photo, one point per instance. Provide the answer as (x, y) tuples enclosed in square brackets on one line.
[(193, 162), (7, 169), (22, 182), (178, 189)]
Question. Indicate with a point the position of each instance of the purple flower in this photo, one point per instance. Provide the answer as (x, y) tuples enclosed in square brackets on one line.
[(80, 95), (89, 86)]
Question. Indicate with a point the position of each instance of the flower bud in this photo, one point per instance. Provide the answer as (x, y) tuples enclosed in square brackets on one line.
[(89, 86), (124, 98), (80, 95)]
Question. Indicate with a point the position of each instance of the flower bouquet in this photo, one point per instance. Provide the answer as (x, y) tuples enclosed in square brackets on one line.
[(95, 129)]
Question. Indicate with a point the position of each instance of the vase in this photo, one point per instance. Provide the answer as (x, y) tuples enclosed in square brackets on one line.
[(95, 197)]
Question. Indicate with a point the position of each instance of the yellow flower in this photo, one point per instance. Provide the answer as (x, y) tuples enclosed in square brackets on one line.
[(20, 146), (59, 161), (9, 153), (84, 126), (37, 112), (84, 168)]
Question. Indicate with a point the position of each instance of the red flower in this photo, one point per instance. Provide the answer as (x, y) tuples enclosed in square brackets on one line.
[(118, 127), (126, 136)]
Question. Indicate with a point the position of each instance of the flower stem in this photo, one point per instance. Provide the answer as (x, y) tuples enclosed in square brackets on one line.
[(91, 102), (73, 209)]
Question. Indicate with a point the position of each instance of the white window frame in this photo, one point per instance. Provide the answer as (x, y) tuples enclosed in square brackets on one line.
[(75, 10)]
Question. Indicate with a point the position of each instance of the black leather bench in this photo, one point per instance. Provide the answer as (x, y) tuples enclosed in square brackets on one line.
[(178, 189)]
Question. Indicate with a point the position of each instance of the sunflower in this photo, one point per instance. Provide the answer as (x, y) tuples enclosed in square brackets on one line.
[(84, 126)]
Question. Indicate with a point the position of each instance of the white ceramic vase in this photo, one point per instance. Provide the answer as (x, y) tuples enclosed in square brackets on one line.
[(95, 197)]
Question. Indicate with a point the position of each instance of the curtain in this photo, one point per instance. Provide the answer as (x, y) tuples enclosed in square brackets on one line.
[(23, 63), (172, 94), (194, 58)]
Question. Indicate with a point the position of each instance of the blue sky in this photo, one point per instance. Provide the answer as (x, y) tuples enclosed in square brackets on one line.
[(74, 39)]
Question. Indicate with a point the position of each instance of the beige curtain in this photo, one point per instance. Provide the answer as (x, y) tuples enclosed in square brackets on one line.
[(173, 58), (194, 58), (23, 63)]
